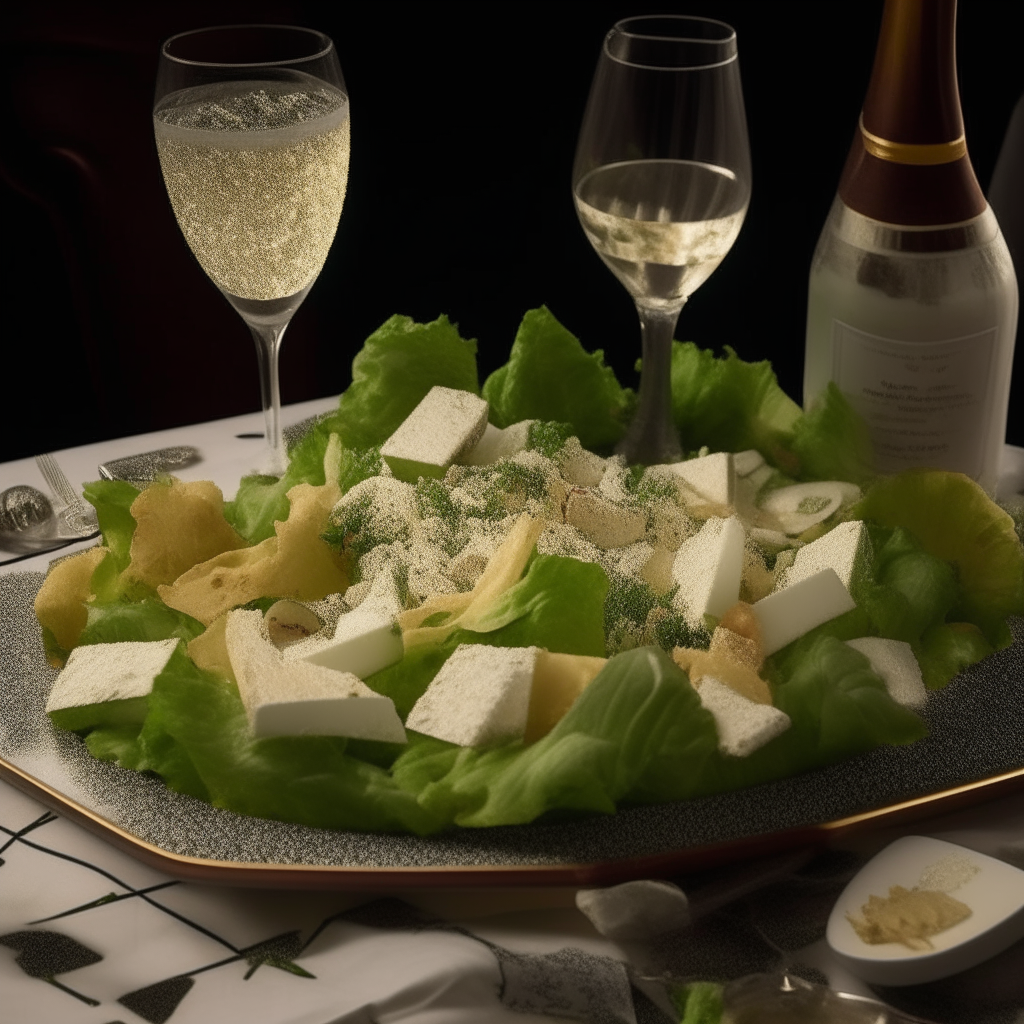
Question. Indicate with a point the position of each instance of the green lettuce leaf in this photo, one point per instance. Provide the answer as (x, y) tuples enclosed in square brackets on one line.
[(557, 605), (397, 365), (637, 718), (831, 441), (839, 707), (112, 500), (947, 649), (145, 620), (196, 737), (731, 405), (955, 520), (549, 376), (912, 591)]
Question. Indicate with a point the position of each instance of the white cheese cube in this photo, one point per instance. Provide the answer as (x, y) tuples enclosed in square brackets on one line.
[(894, 661), (296, 698), (580, 466), (445, 424), (711, 476), (708, 568), (365, 640), (96, 673), (744, 463), (793, 611), (498, 444), (845, 548), (743, 725), (480, 697), (602, 521)]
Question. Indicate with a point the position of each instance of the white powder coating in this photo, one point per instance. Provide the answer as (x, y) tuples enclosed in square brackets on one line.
[(613, 481), (602, 521), (743, 725), (496, 444), (711, 476), (445, 424), (789, 613), (480, 697), (580, 467), (845, 548), (97, 673), (948, 873), (894, 661), (389, 504), (565, 540), (295, 698), (708, 568)]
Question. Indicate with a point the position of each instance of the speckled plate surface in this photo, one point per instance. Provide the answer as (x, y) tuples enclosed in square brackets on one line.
[(975, 751)]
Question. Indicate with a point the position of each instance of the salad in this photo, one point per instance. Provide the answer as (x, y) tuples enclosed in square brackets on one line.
[(532, 546)]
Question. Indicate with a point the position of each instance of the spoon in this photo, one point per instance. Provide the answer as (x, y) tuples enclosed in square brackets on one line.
[(991, 890)]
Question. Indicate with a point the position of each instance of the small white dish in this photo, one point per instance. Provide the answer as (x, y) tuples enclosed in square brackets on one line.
[(994, 894)]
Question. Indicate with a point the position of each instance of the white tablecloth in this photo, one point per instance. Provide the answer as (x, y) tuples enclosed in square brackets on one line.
[(90, 936)]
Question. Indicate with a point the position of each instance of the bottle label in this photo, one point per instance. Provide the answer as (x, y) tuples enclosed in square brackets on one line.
[(925, 403)]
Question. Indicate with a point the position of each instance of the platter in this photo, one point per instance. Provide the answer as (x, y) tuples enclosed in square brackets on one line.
[(975, 752)]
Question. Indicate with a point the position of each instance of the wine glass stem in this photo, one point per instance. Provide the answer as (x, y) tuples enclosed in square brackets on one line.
[(268, 346), (652, 437)]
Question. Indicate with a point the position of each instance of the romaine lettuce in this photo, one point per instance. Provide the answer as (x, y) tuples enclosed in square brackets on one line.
[(549, 376)]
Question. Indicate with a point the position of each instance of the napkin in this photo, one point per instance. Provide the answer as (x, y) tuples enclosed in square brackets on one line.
[(89, 935)]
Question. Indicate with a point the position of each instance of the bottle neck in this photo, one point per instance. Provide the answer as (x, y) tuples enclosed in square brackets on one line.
[(908, 163)]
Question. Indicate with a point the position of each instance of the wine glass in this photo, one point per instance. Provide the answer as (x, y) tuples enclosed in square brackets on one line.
[(661, 183), (252, 132)]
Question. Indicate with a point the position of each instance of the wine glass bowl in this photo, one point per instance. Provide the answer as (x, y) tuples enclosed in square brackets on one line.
[(252, 133), (661, 183)]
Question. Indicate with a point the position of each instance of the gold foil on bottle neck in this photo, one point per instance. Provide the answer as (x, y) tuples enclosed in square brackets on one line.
[(913, 153)]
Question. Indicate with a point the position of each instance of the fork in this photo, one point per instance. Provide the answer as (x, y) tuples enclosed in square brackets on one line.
[(78, 518)]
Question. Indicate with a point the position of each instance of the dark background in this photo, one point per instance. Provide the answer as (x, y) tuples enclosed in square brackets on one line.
[(464, 122)]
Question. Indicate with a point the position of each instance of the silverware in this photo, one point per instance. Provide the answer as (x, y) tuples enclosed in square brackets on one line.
[(145, 468), (79, 518)]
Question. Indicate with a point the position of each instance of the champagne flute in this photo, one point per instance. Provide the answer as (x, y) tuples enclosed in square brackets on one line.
[(252, 132), (661, 183)]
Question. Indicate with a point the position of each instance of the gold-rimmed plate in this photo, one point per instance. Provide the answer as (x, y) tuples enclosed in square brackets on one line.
[(975, 752)]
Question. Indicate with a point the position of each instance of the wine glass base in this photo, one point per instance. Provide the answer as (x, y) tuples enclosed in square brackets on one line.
[(273, 463), (643, 446)]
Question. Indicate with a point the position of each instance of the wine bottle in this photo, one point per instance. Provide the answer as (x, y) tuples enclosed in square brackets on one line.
[(912, 304)]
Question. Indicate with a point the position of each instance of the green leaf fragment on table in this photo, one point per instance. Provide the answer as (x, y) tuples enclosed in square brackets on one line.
[(549, 376), (700, 1002)]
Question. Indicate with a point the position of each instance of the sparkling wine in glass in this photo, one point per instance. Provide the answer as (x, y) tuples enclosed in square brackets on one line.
[(661, 183), (252, 132)]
